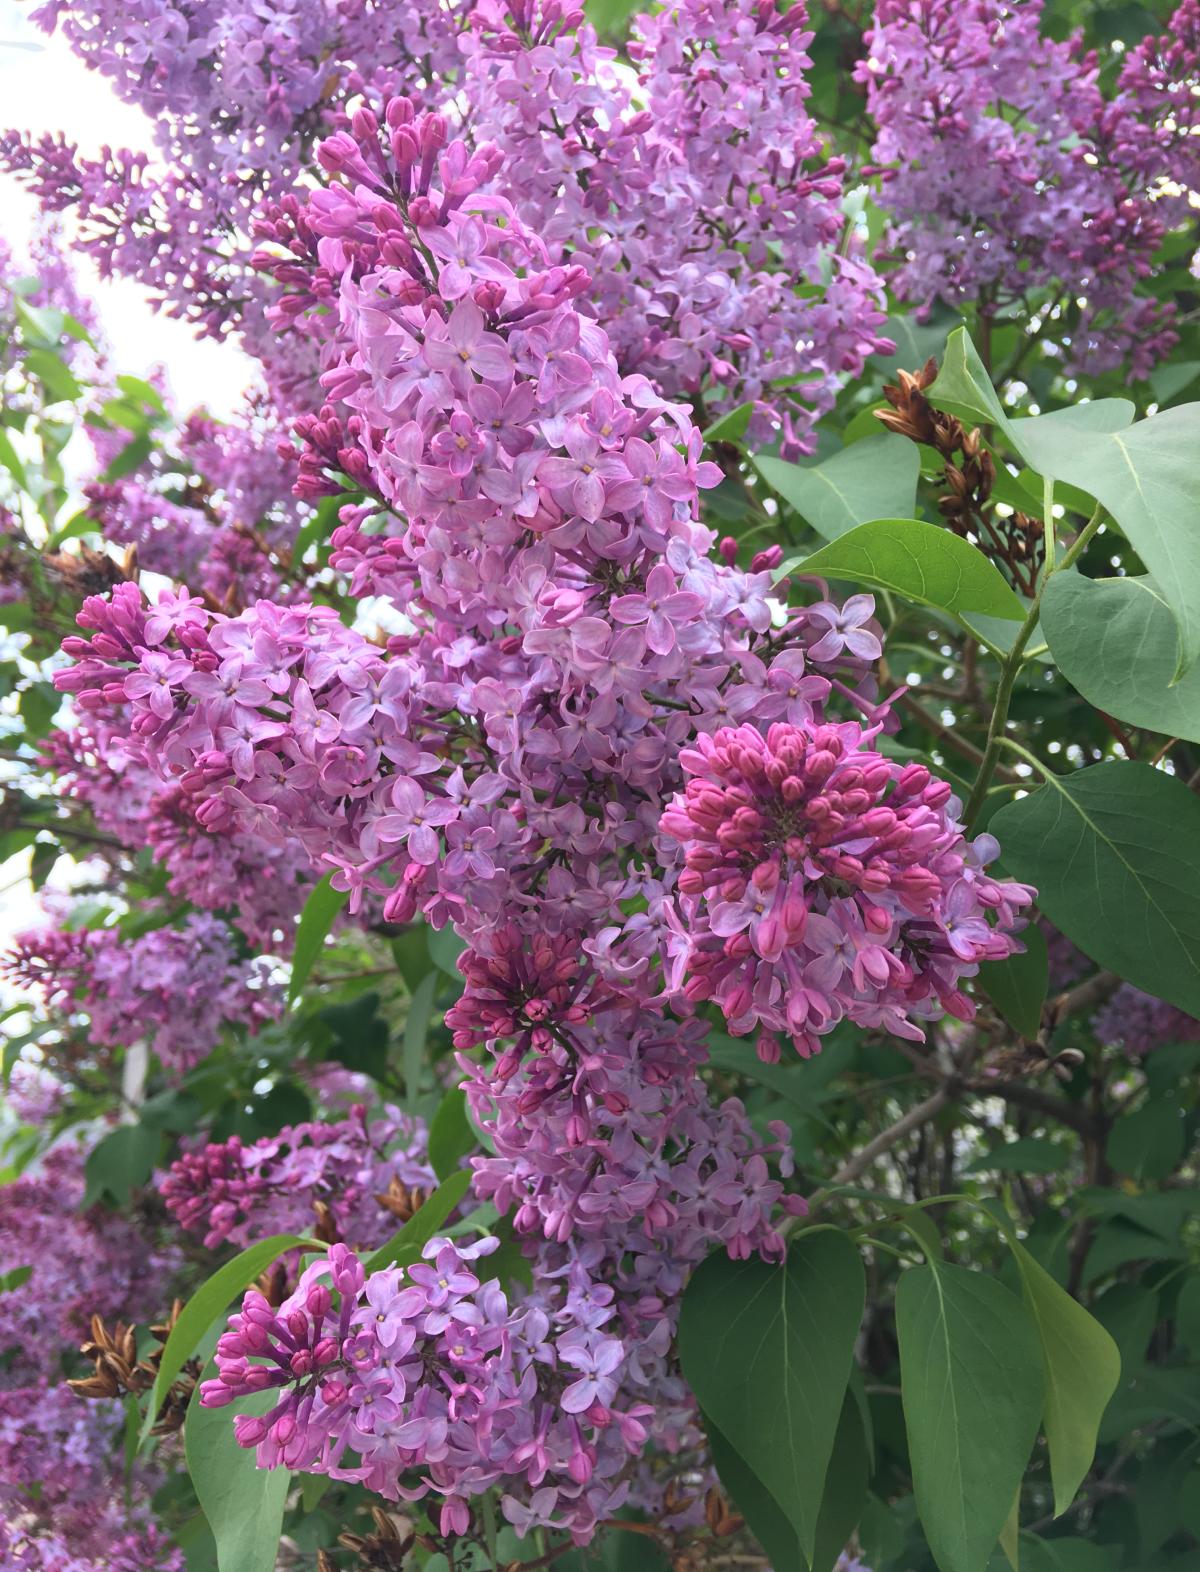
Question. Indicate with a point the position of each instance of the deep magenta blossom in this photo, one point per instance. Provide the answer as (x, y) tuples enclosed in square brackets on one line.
[(824, 881)]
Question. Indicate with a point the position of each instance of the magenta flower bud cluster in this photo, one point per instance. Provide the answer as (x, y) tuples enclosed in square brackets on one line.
[(823, 882), (230, 1191)]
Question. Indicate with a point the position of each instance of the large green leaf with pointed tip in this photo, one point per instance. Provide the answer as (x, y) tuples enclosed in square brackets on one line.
[(767, 1351)]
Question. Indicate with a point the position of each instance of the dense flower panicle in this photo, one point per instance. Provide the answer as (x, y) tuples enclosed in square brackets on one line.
[(430, 1381), (822, 881), (696, 197), (231, 1191), (237, 91), (83, 1264), (175, 988), (262, 884), (1140, 1023), (1161, 137), (1007, 170)]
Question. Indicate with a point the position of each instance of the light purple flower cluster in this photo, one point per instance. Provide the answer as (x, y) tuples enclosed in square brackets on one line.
[(64, 1503), (698, 196), (1140, 1023), (1007, 170), (174, 988), (229, 1191), (263, 885), (83, 1264), (428, 1380), (823, 882)]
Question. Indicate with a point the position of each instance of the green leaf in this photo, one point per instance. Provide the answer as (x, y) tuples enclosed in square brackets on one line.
[(406, 1245), (921, 562), (730, 427), (54, 375), (1032, 1155), (11, 462), (845, 1488), (451, 1135), (1017, 986), (1082, 1368), (209, 1301), (609, 16), (445, 947), (1114, 851), (132, 456), (1010, 1534), (243, 1503), (321, 525), (1149, 1143), (120, 1163), (739, 1055), (41, 326), (1148, 477), (872, 479), (972, 1390), (40, 703), (416, 1031), (14, 1278), (767, 1351), (1115, 641), (764, 1516), (317, 918)]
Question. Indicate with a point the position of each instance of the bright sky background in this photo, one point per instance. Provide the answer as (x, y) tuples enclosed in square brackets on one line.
[(44, 87)]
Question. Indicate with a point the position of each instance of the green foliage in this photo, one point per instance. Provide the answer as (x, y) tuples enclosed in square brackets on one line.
[(920, 562), (973, 1392), (872, 479), (320, 911), (767, 1350), (243, 1503), (1115, 854)]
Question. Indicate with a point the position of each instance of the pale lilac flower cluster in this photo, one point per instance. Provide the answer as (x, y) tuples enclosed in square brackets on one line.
[(1007, 170), (230, 1191), (175, 988), (1140, 1023), (117, 1549), (262, 885), (698, 197), (824, 882)]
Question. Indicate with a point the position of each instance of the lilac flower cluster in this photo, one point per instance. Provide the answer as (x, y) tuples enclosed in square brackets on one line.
[(61, 1503), (229, 1191), (262, 884), (1140, 1023), (175, 988), (1007, 170), (822, 882), (697, 197), (237, 90)]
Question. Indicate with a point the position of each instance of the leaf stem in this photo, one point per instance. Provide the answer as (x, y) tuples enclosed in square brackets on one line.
[(1013, 662)]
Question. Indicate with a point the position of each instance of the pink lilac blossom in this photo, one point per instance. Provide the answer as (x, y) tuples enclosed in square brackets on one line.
[(175, 988), (1006, 170), (118, 1549), (823, 882), (237, 1193)]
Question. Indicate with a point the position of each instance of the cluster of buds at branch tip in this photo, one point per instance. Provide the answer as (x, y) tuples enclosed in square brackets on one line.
[(117, 1371), (969, 474)]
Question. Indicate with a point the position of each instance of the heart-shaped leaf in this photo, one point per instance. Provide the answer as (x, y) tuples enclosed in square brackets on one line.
[(872, 479)]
